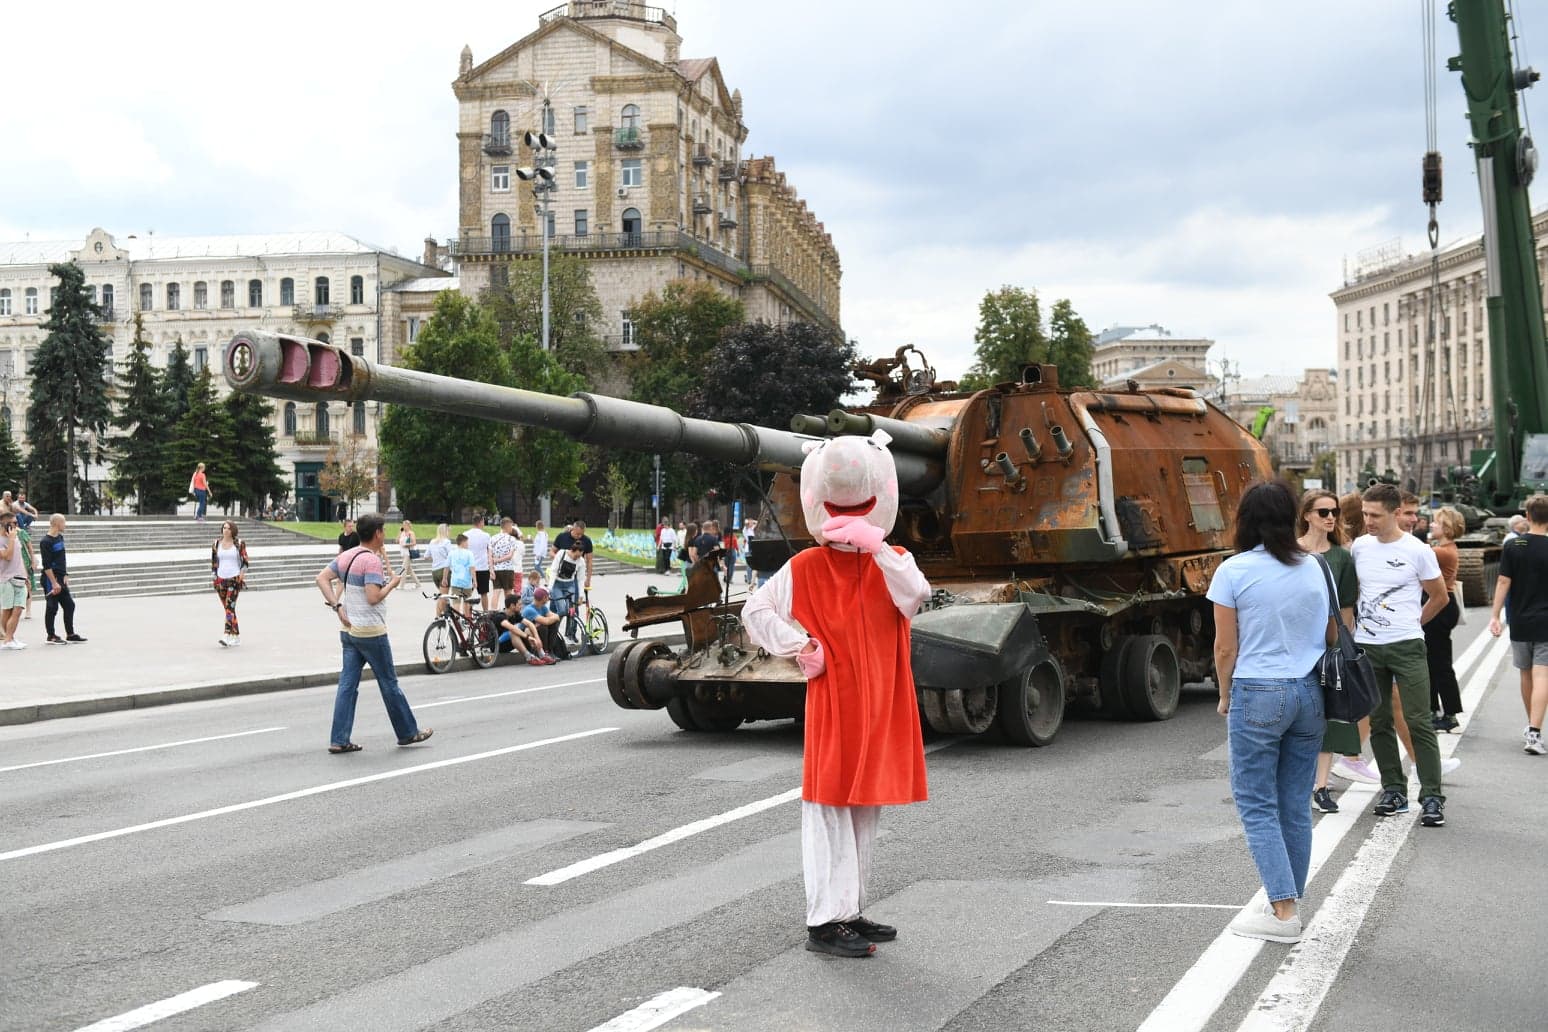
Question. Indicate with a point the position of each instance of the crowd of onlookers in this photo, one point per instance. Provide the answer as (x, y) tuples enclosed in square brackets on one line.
[(28, 569)]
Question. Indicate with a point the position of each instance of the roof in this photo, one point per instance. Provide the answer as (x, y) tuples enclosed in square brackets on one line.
[(1264, 386), (38, 252), (427, 283), (1153, 333), (693, 68), (1190, 372)]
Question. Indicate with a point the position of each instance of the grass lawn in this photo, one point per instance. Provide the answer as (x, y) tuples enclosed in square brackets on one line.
[(331, 531)]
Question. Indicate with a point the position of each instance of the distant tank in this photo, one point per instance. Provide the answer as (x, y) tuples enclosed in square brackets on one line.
[(1070, 535)]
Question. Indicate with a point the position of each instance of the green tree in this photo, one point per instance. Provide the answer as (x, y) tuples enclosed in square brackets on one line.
[(620, 489), (69, 409), (575, 314), (13, 468), (253, 463), (349, 472), (1069, 345), (544, 460), (204, 434), (1010, 335), (444, 462), (140, 451), (177, 381)]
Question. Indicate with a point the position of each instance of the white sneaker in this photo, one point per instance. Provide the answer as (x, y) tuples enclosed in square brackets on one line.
[(1534, 744), (1358, 769), (224, 641), (233, 641), (1526, 733), (1449, 764), (15, 644), (1262, 924)]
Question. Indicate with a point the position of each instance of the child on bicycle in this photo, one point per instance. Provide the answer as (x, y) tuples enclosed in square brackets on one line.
[(462, 575)]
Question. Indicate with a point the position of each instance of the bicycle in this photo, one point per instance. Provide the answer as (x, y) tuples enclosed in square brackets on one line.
[(453, 633), (585, 626)]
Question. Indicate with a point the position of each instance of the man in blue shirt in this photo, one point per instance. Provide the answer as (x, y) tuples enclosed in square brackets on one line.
[(547, 623), (56, 583)]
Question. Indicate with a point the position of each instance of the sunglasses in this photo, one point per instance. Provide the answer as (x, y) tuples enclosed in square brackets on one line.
[(1325, 513)]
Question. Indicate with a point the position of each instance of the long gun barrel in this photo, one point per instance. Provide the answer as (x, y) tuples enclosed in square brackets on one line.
[(299, 369)]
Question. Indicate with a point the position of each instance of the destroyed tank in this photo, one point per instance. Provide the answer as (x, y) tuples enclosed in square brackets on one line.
[(1069, 535)]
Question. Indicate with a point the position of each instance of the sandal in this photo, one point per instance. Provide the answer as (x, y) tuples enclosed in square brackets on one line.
[(426, 733), (351, 747)]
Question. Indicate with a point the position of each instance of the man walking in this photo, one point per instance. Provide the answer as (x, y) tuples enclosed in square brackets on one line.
[(361, 607), (56, 583), (1401, 589), (1524, 580), (13, 581), (478, 544)]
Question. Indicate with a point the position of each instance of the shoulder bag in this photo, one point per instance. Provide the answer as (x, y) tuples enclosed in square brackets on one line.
[(1348, 682)]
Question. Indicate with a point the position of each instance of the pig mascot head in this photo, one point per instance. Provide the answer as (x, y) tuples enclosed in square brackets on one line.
[(849, 480)]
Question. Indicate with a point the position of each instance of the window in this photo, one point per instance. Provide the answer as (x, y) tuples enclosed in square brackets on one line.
[(201, 358), (357, 290), (630, 119), (320, 290), (147, 297), (287, 291), (358, 411), (1346, 322), (500, 178), (500, 128), (255, 293), (321, 424), (201, 294), (628, 330), (5, 301), (413, 328), (633, 172), (357, 346), (227, 294), (580, 120), (290, 419), (174, 297), (548, 120), (500, 232), (323, 337), (1385, 313), (580, 222), (582, 179), (7, 363), (1346, 351), (5, 415), (53, 297)]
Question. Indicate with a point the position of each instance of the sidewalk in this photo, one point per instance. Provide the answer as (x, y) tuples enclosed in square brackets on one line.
[(156, 650)]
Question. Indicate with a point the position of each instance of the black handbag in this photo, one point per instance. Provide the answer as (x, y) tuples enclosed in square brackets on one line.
[(1348, 682)]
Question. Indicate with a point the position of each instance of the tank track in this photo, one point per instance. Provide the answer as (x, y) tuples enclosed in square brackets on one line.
[(1477, 570)]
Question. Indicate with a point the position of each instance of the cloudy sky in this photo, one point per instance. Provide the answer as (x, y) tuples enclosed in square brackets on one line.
[(1207, 167)]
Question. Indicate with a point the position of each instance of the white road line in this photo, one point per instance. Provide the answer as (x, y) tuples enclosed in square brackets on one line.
[(334, 786), (607, 859), (1205, 985), (142, 1016), (501, 695), (658, 1011), (1294, 995), (143, 748), (1142, 906)]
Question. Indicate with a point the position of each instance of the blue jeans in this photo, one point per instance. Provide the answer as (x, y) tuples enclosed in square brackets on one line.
[(203, 498), (562, 596), (376, 651), (1276, 726)]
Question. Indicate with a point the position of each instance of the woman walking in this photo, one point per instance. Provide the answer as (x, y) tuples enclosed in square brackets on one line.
[(1445, 693), (440, 565), (199, 487), (228, 565), (408, 547), (1272, 626)]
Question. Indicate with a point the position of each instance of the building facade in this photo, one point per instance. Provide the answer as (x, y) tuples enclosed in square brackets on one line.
[(200, 291), (1300, 423), (1146, 353), (649, 180)]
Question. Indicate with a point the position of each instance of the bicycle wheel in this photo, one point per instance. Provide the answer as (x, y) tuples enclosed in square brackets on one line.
[(596, 631), (440, 646), (574, 634), (486, 644)]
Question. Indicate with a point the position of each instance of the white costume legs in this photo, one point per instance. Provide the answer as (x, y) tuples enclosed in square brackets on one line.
[(836, 859)]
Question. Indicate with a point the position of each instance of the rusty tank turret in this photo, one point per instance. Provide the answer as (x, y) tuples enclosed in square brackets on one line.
[(1069, 535)]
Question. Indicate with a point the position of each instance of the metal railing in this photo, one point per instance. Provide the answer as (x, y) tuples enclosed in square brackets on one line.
[(728, 219), (610, 9), (628, 138), (499, 146), (727, 171), (313, 437), (702, 155), (802, 300), (316, 312), (701, 205)]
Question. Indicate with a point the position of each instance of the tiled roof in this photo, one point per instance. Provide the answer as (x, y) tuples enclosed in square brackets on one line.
[(692, 68)]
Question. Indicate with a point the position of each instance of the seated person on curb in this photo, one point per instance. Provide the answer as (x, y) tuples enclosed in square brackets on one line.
[(547, 623), (461, 561), (520, 635), (563, 577)]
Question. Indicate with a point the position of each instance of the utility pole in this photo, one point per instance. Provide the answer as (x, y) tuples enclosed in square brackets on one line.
[(541, 175)]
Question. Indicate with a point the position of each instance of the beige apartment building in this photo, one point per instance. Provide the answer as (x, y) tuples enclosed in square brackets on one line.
[(201, 290), (650, 183), (1410, 402), (1304, 424), (1150, 355)]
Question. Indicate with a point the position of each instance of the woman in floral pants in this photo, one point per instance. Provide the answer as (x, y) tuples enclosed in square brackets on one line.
[(228, 564)]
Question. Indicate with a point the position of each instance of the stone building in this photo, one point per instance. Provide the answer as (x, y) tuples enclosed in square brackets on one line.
[(1150, 355), (1303, 424), (202, 289), (1410, 400), (649, 180)]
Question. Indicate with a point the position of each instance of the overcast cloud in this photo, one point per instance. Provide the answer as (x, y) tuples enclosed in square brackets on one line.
[(1204, 166)]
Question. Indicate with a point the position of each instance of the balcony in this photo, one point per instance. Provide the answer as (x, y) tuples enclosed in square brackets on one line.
[(316, 313), (497, 146), (727, 171), (628, 138), (702, 205), (702, 155), (313, 438), (794, 294), (728, 219), (626, 9)]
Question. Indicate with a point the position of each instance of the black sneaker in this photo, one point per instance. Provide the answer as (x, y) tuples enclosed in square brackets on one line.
[(838, 939), (1434, 812), (1322, 800), (868, 929), (1391, 802), (1446, 722), (75, 639), (54, 639)]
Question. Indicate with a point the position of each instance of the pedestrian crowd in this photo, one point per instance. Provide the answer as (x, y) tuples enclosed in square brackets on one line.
[(26, 572)]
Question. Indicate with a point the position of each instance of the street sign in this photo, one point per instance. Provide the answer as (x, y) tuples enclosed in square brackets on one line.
[(736, 514)]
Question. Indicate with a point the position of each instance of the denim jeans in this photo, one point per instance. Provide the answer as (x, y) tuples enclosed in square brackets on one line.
[(203, 498), (376, 651), (563, 596), (1276, 726)]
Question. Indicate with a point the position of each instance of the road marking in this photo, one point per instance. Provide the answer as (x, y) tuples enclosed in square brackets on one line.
[(1143, 906), (1295, 993), (143, 748), (334, 786), (655, 1012), (596, 863), (142, 1016), (501, 695), (1205, 985)]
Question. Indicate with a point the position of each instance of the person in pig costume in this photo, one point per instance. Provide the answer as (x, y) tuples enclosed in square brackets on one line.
[(843, 610)]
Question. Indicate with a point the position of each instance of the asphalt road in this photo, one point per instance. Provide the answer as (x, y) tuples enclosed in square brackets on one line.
[(389, 889)]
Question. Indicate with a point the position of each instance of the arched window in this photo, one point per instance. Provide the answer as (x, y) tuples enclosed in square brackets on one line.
[(357, 290), (323, 336), (322, 418), (227, 294), (287, 291), (255, 293), (500, 128), (5, 301), (30, 300), (631, 222), (320, 290), (630, 117), (290, 419), (147, 297), (500, 232)]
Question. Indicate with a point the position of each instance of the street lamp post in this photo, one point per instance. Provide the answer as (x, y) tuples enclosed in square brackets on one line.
[(541, 174)]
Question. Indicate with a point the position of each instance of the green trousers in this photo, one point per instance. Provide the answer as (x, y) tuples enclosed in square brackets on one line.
[(1406, 662)]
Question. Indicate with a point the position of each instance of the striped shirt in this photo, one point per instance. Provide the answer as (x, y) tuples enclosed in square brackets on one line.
[(358, 567)]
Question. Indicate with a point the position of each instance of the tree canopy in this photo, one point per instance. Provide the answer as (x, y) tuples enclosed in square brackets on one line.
[(204, 434), (253, 464), (140, 450), (69, 411), (575, 313), (1011, 335), (544, 460)]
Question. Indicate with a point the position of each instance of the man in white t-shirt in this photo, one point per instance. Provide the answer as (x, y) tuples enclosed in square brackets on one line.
[(505, 562), (1401, 589), (666, 547), (478, 544)]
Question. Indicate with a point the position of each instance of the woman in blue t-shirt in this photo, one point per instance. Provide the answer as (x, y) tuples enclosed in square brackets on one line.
[(1272, 626)]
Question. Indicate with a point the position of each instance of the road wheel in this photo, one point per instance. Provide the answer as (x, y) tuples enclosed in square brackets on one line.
[(1032, 707), (1110, 680), (615, 674), (713, 718), (440, 646), (596, 631), (633, 679), (677, 709), (1152, 682), (486, 644)]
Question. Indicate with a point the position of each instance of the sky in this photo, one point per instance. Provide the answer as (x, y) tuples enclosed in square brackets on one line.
[(1206, 167)]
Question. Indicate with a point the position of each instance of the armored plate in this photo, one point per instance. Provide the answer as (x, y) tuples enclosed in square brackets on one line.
[(974, 645)]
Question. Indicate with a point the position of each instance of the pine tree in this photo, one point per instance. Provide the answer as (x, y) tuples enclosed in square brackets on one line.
[(204, 434), (140, 453), (69, 404), (176, 382), (1070, 344), (12, 466), (252, 450)]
